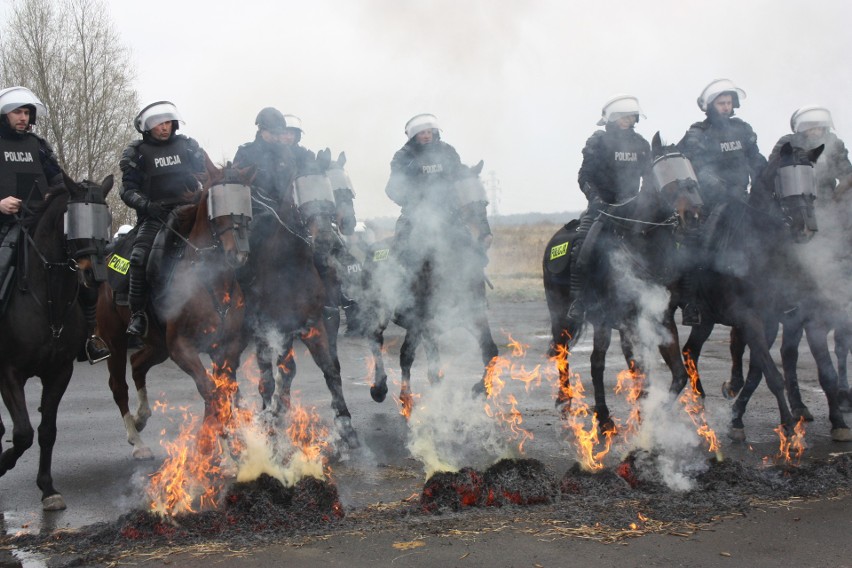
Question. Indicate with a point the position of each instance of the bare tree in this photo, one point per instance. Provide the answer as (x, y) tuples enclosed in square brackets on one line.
[(69, 55)]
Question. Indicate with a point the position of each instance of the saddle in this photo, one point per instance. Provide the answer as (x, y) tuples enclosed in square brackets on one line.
[(558, 261), (166, 251)]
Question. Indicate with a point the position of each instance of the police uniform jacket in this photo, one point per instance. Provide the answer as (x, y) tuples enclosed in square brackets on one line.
[(724, 155), (277, 165), (614, 162), (423, 174), (833, 164), (160, 171), (27, 167)]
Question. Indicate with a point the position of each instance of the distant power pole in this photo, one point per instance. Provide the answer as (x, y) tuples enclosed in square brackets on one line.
[(493, 190)]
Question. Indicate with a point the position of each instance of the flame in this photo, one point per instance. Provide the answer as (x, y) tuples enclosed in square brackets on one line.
[(791, 448), (575, 412), (631, 381), (504, 407), (694, 406), (311, 333), (405, 401)]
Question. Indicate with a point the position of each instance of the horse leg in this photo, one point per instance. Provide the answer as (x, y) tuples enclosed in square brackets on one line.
[(818, 342), (691, 351), (14, 397), (376, 340), (317, 343), (413, 336), (601, 340), (331, 318), (841, 351), (734, 385), (53, 388), (754, 334), (790, 340), (487, 347), (140, 363), (434, 370)]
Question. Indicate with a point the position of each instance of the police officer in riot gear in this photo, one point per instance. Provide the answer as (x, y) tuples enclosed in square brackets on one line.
[(724, 154), (812, 126), (28, 167), (615, 160), (422, 172), (158, 174)]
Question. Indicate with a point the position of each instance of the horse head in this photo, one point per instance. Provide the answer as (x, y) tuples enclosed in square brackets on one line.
[(87, 228), (473, 204), (227, 212), (315, 200), (344, 195), (788, 186), (676, 182)]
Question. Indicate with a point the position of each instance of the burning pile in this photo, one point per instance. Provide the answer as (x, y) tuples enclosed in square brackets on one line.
[(263, 505), (508, 482)]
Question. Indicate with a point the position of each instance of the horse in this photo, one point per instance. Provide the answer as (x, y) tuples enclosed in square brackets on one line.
[(435, 283), (286, 298), (745, 265), (638, 236), (43, 327), (199, 305)]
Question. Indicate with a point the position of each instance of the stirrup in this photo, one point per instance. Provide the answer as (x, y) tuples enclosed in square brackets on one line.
[(96, 350), (138, 325), (576, 311)]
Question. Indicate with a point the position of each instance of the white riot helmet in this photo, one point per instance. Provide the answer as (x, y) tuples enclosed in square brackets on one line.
[(122, 230), (716, 88), (156, 113), (17, 97), (293, 121), (419, 123), (618, 107), (811, 116)]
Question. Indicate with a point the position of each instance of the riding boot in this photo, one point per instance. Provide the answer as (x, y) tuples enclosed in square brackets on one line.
[(138, 298), (95, 350), (577, 309)]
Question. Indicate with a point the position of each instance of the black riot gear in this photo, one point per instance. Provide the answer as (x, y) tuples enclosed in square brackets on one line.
[(271, 119)]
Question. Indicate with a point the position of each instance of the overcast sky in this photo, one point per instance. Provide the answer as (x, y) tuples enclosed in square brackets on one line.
[(519, 84)]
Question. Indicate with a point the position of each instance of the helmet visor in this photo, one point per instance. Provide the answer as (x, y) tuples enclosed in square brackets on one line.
[(795, 180)]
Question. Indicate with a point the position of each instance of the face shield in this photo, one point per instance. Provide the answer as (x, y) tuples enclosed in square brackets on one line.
[(17, 97), (419, 123), (87, 232), (792, 181), (232, 200), (618, 107), (716, 88), (811, 117)]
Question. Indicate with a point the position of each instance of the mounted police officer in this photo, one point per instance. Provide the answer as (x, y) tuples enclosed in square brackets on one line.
[(615, 160), (28, 167), (423, 172), (812, 127), (158, 174), (724, 154)]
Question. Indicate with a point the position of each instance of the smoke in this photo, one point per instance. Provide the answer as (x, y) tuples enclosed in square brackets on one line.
[(449, 429), (665, 431)]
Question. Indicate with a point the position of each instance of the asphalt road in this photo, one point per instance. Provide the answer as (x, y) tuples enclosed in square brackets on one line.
[(100, 481)]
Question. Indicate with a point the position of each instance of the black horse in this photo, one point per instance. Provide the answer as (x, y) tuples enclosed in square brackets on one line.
[(285, 296), (633, 262), (62, 248), (744, 272), (434, 283)]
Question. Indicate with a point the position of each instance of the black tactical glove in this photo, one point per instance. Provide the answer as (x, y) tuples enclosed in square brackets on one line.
[(155, 210)]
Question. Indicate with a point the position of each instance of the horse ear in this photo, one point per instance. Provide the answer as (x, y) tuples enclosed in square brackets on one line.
[(786, 149), (814, 154), (341, 159), (107, 184), (657, 144), (477, 169)]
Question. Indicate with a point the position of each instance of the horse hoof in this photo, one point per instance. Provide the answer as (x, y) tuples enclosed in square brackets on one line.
[(728, 391), (347, 432), (841, 435), (737, 434), (142, 453), (802, 413), (379, 392), (479, 388), (53, 503)]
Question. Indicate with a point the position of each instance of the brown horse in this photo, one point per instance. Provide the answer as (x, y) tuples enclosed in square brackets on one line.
[(61, 249), (200, 310)]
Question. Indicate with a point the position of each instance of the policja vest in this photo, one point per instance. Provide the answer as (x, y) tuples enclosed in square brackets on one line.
[(21, 171), (168, 170)]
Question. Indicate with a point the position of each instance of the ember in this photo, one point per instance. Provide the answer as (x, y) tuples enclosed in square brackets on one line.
[(508, 482)]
